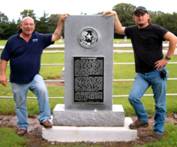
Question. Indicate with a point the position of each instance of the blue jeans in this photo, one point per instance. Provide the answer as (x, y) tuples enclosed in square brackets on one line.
[(141, 84), (38, 87)]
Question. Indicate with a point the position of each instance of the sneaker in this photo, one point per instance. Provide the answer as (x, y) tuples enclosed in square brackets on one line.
[(137, 124), (21, 131), (46, 124)]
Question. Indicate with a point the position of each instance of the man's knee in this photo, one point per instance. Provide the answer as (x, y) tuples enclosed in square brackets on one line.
[(133, 99), (41, 89)]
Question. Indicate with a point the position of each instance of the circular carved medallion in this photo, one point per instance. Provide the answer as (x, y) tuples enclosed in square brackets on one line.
[(88, 37)]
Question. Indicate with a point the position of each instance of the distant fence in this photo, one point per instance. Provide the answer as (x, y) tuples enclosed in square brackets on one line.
[(122, 48), (115, 45)]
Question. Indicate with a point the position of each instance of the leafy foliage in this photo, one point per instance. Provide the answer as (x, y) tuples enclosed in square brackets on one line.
[(125, 13), (28, 12), (47, 24), (166, 20)]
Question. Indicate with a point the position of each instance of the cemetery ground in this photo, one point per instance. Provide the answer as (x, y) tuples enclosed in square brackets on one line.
[(8, 137)]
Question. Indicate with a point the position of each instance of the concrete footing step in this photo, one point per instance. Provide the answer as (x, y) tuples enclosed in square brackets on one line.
[(90, 134)]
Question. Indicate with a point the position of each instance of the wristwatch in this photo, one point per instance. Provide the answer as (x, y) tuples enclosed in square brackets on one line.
[(167, 58)]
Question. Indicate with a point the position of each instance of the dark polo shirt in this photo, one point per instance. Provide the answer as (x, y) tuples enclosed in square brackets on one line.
[(25, 56)]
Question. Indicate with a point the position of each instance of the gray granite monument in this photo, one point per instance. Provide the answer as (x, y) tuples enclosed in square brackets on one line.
[(88, 74), (87, 113), (88, 62)]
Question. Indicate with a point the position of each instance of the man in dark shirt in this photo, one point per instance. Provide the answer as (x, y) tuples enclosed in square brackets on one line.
[(24, 50), (150, 65)]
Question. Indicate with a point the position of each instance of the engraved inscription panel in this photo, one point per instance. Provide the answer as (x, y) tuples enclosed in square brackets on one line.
[(89, 79)]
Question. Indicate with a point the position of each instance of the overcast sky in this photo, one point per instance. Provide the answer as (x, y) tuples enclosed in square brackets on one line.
[(12, 8)]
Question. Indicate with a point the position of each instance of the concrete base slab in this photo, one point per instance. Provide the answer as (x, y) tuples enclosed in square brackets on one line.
[(91, 118), (90, 134)]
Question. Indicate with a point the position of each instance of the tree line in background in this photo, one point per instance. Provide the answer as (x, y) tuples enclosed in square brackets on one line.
[(47, 24), (167, 20)]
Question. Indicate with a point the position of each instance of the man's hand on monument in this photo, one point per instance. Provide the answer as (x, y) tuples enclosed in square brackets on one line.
[(62, 17), (117, 24), (57, 33), (109, 13)]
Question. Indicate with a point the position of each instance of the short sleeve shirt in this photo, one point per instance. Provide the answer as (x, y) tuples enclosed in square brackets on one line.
[(25, 56), (147, 46)]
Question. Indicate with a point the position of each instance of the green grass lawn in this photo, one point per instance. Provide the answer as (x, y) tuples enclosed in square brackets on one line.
[(2, 42), (119, 88), (8, 138)]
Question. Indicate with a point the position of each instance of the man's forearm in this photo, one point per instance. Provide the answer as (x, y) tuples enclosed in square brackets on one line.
[(118, 26), (3, 66), (58, 31), (3, 78), (57, 34), (172, 44), (170, 52)]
